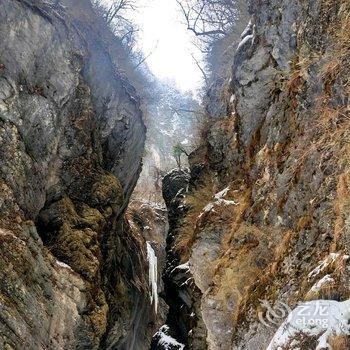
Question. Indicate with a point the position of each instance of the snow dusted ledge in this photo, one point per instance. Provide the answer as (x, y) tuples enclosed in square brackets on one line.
[(218, 200), (330, 259), (317, 318), (63, 265), (165, 341)]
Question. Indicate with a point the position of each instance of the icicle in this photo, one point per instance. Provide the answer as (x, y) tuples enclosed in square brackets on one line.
[(152, 275)]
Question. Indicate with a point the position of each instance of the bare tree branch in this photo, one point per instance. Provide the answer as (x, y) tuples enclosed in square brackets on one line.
[(192, 23), (117, 7), (209, 18), (201, 69), (147, 56)]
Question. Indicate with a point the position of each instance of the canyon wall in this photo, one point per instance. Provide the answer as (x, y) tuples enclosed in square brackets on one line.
[(265, 220), (73, 272)]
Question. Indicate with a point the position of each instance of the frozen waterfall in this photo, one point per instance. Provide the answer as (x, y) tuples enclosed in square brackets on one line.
[(152, 275)]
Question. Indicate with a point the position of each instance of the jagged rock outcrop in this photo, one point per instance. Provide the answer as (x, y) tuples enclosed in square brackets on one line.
[(180, 293), (72, 273), (175, 184), (278, 164)]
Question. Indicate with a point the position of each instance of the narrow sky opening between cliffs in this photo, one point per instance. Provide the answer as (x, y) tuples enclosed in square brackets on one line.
[(162, 32)]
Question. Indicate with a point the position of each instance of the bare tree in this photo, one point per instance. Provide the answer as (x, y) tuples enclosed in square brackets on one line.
[(116, 14), (158, 175), (209, 18), (178, 151), (143, 58), (202, 70), (217, 25), (116, 10)]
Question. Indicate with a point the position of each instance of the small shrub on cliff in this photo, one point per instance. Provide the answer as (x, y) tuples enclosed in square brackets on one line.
[(303, 341), (196, 202), (206, 208), (178, 151), (336, 60)]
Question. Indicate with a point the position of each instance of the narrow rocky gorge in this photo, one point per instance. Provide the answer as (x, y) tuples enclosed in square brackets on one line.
[(254, 229)]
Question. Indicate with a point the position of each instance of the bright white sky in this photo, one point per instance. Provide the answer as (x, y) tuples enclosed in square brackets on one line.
[(161, 26)]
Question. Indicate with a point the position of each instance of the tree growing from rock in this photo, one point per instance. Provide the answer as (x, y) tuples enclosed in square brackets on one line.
[(115, 10), (178, 151), (116, 14)]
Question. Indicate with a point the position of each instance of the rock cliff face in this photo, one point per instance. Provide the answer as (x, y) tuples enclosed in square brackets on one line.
[(73, 274), (180, 293), (277, 169), (259, 224)]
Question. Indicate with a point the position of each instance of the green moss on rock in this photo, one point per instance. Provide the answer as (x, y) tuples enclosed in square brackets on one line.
[(107, 191)]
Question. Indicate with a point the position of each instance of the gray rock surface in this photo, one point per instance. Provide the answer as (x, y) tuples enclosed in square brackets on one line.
[(281, 150), (71, 142), (180, 293)]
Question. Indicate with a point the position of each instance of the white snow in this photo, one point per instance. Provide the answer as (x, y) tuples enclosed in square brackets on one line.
[(317, 286), (246, 30), (186, 282), (185, 266), (166, 340), (208, 207), (222, 193), (320, 318), (152, 275), (220, 197), (63, 265), (227, 202), (331, 258), (179, 192), (218, 200), (154, 205), (244, 40)]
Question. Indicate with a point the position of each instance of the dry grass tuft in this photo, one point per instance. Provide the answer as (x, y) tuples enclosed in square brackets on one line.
[(280, 252), (197, 217), (274, 252), (239, 267), (343, 34), (339, 342), (341, 208), (337, 58), (304, 222), (302, 341), (196, 202), (244, 201)]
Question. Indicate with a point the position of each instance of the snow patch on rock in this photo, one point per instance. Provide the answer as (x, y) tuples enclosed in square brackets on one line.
[(218, 200), (320, 318), (331, 258), (222, 193), (63, 265), (166, 341), (317, 286), (182, 267)]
